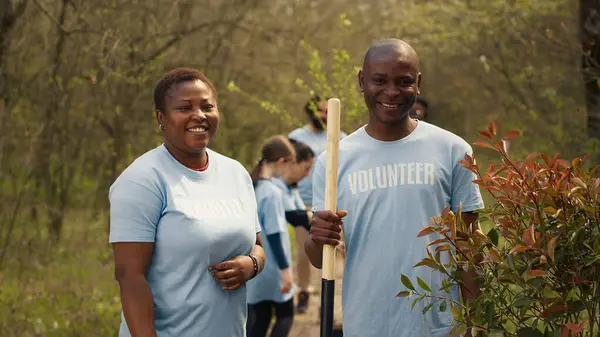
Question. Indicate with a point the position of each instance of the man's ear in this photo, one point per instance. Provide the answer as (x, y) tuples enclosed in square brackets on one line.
[(419, 84), (361, 80)]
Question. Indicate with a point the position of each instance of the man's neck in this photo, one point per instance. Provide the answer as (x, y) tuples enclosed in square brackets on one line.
[(390, 132), (314, 129)]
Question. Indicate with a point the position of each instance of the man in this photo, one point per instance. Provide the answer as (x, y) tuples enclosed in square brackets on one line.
[(395, 173), (419, 109), (314, 135)]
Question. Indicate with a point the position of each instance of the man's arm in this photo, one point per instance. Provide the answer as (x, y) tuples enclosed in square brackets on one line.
[(325, 229)]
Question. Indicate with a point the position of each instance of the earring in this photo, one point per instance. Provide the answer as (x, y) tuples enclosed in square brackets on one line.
[(161, 127)]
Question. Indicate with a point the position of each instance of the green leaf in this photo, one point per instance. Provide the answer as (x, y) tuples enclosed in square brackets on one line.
[(443, 306), (415, 301), (522, 301), (549, 293), (494, 236), (423, 285), (591, 260), (404, 294), (407, 283), (489, 313), (458, 330), (426, 309), (456, 310), (529, 332)]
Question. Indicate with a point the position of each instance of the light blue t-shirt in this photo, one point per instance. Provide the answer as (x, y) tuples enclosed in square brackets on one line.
[(317, 141), (391, 190), (271, 216), (195, 219), (291, 197)]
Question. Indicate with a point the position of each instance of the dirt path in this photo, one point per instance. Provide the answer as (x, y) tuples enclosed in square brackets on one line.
[(308, 324)]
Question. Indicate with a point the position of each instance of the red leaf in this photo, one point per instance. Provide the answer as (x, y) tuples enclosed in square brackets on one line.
[(438, 241), (546, 160), (574, 328), (493, 188), (532, 157), (529, 235), (490, 170), (553, 309), (510, 135), (486, 134), (536, 273), (518, 249), (425, 231), (484, 144), (492, 128), (479, 182), (563, 163), (594, 170)]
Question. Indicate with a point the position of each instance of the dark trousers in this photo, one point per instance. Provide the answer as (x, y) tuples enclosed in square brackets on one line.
[(260, 315)]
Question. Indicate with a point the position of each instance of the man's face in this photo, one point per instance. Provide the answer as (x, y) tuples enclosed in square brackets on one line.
[(390, 87), (319, 117), (418, 112)]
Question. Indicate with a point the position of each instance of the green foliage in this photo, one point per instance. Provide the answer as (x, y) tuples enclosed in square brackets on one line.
[(62, 290), (332, 77), (538, 265)]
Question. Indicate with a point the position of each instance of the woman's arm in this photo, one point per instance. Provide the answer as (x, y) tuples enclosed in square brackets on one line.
[(135, 208), (259, 253), (131, 262), (298, 218), (235, 272)]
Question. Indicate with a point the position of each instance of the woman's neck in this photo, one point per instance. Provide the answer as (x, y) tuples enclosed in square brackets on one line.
[(267, 171), (193, 161)]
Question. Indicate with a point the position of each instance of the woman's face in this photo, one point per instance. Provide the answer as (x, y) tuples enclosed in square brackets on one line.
[(298, 171), (191, 117)]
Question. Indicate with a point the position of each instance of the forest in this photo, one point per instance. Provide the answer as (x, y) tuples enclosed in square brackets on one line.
[(76, 108)]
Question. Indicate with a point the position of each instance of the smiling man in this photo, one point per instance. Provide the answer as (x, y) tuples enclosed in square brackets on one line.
[(395, 173)]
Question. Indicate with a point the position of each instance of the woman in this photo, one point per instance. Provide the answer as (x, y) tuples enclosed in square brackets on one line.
[(295, 209), (183, 223), (273, 288)]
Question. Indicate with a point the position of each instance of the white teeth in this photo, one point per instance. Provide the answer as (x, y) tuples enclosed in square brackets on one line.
[(197, 129), (393, 106)]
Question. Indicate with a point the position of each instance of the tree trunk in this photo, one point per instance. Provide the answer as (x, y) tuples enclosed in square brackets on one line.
[(590, 39)]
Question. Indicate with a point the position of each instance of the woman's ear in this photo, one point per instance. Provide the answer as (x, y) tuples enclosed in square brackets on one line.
[(160, 117)]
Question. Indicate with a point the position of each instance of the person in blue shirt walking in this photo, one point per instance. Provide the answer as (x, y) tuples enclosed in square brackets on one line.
[(274, 286), (394, 174), (183, 224), (296, 212), (314, 135), (420, 110)]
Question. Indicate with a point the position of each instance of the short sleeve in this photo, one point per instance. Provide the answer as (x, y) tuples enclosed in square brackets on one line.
[(318, 184), (252, 198), (135, 210), (464, 190), (273, 219)]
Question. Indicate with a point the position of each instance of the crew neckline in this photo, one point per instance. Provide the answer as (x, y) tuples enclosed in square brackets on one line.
[(194, 174), (408, 138)]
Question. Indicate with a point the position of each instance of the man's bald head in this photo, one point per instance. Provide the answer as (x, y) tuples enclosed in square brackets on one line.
[(391, 48)]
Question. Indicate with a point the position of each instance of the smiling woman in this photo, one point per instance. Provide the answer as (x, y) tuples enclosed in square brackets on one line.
[(184, 230)]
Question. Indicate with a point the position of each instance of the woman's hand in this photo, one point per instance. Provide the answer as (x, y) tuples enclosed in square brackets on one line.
[(233, 273), (287, 280)]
